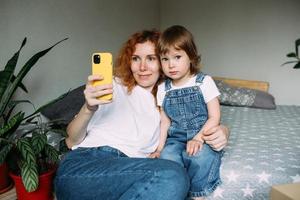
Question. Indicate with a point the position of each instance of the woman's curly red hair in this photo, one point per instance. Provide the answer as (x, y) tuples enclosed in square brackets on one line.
[(122, 68)]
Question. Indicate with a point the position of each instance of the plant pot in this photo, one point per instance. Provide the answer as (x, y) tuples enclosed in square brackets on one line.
[(5, 182), (44, 190)]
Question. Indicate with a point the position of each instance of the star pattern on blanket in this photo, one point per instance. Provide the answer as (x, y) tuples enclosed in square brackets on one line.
[(248, 191), (296, 178), (280, 169), (232, 176), (264, 177), (263, 150), (218, 192)]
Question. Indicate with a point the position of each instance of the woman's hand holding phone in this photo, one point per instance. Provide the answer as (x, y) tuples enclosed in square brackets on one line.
[(102, 65), (92, 93)]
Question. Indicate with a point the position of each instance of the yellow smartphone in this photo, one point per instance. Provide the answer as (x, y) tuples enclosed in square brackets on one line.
[(102, 65)]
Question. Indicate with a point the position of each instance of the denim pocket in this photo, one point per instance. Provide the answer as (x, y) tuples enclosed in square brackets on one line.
[(174, 108)]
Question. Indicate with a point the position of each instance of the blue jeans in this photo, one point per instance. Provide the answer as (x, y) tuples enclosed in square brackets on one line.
[(203, 168), (106, 173)]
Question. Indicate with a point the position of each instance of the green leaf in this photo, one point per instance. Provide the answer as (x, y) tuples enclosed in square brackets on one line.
[(297, 66), (30, 177), (51, 153), (21, 85), (47, 104), (7, 94), (11, 106), (3, 75), (4, 151), (289, 62), (24, 146), (8, 73), (60, 131), (38, 142), (291, 55), (297, 44), (12, 124)]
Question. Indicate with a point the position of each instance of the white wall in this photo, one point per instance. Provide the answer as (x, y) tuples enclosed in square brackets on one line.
[(91, 25), (237, 38), (243, 39)]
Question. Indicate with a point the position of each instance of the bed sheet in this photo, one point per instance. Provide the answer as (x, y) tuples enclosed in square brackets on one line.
[(263, 150)]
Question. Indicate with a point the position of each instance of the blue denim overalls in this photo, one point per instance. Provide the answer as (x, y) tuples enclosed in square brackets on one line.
[(187, 111)]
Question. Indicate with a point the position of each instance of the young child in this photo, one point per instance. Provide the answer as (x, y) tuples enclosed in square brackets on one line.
[(189, 106)]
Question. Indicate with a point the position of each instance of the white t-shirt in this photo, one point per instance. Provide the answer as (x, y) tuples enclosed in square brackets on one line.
[(208, 89), (130, 123)]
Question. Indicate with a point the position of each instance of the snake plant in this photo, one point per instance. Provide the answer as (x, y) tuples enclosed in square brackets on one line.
[(27, 151)]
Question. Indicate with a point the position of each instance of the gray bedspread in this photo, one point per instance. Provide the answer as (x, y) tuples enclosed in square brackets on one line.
[(263, 150)]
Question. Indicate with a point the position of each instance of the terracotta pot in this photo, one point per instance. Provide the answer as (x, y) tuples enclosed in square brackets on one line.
[(44, 190), (5, 182)]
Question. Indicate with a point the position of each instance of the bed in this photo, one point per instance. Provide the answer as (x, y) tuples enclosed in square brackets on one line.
[(264, 145), (263, 150)]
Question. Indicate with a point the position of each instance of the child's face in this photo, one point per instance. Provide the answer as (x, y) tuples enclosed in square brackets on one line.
[(176, 65)]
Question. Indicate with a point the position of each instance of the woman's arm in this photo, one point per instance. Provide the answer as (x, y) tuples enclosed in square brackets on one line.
[(217, 137), (164, 126), (76, 129)]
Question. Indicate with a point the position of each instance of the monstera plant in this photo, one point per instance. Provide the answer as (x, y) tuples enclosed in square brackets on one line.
[(27, 152), (294, 55)]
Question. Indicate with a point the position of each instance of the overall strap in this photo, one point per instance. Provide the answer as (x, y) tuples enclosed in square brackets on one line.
[(200, 77), (167, 84)]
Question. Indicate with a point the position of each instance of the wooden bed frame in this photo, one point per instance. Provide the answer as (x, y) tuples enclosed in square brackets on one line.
[(258, 85)]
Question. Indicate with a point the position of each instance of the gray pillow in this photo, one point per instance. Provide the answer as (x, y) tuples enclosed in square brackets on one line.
[(239, 96), (66, 108)]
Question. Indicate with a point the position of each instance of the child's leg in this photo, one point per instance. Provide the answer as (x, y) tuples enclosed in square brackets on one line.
[(172, 151), (203, 170)]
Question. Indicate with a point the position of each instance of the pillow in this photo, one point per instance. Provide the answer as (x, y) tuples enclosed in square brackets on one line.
[(67, 107), (239, 96)]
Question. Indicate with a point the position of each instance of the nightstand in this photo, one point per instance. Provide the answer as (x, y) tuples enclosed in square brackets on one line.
[(285, 192)]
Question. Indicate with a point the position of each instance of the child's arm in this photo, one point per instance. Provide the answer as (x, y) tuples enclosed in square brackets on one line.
[(214, 115), (164, 126)]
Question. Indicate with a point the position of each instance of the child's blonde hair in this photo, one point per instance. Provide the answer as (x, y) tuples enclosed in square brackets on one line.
[(180, 38)]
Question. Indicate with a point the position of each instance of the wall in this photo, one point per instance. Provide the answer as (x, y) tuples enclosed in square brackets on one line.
[(243, 39), (236, 38), (91, 25)]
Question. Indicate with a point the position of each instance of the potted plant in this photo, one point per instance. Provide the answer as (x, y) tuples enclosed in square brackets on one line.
[(5, 182), (33, 160), (294, 55), (28, 153)]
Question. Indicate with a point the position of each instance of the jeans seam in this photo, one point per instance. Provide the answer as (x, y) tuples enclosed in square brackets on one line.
[(214, 167), (136, 172)]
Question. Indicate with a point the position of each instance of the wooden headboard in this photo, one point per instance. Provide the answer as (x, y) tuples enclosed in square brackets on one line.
[(258, 85)]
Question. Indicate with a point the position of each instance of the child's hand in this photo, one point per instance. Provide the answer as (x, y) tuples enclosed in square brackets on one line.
[(193, 146), (155, 154)]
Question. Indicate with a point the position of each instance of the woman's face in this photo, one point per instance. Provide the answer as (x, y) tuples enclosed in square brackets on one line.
[(145, 65)]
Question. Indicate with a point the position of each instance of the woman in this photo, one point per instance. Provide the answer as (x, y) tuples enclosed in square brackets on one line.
[(112, 139)]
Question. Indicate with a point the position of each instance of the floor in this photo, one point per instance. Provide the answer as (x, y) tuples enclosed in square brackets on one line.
[(9, 195)]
